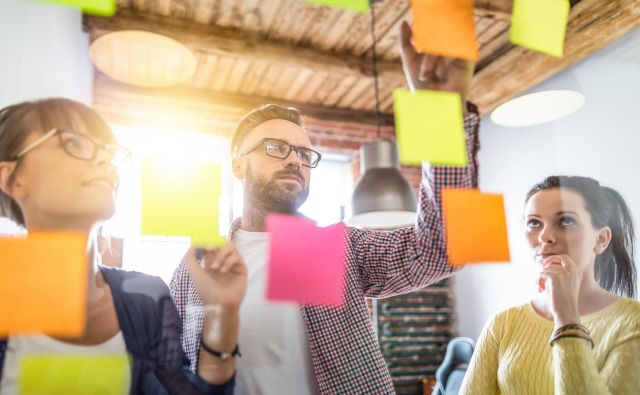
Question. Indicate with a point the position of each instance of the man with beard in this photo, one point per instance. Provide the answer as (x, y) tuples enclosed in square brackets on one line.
[(288, 349)]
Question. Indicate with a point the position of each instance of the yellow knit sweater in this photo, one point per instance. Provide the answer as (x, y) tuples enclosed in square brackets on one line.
[(513, 355)]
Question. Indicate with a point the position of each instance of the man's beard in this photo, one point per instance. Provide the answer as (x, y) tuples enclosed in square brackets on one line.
[(272, 196)]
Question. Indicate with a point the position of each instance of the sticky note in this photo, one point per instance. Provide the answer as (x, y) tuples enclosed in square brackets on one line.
[(74, 375), (540, 25), (445, 27), (43, 284), (476, 227), (430, 127), (181, 199), (96, 7), (306, 263), (354, 5)]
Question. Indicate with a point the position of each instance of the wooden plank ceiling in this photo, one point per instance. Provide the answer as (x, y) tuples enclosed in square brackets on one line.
[(319, 58)]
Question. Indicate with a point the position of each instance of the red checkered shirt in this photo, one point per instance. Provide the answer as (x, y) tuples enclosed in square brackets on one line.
[(344, 348)]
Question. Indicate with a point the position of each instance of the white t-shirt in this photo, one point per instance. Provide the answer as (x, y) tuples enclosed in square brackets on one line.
[(20, 346), (273, 340)]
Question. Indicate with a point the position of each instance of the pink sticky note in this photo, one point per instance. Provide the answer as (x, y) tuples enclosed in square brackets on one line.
[(306, 263)]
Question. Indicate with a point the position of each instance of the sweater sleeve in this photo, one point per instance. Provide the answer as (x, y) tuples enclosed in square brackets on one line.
[(576, 372), (482, 376)]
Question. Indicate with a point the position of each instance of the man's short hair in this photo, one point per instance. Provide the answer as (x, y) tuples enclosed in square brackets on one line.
[(258, 116)]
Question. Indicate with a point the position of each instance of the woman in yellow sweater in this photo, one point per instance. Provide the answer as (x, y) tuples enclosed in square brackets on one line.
[(579, 336)]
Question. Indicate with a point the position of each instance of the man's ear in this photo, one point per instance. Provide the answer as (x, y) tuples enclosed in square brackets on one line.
[(238, 165), (7, 170)]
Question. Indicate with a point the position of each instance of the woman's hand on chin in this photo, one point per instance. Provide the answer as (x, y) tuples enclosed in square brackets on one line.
[(561, 279)]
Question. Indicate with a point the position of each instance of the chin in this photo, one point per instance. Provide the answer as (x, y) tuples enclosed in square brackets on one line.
[(102, 213)]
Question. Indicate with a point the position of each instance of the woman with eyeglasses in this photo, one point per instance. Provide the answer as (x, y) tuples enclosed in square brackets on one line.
[(581, 335), (58, 163)]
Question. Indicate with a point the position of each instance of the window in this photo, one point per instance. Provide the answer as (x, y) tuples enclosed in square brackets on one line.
[(331, 186)]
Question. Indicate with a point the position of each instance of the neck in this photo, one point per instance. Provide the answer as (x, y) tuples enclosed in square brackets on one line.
[(61, 223), (590, 295), (253, 217)]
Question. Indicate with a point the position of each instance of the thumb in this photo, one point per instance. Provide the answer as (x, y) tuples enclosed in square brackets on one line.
[(406, 44), (193, 264), (542, 284)]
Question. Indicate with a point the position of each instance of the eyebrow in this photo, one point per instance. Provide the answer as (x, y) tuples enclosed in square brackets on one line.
[(286, 141), (567, 212), (557, 214)]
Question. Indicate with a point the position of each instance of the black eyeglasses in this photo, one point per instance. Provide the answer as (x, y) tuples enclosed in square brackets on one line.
[(281, 150), (81, 146)]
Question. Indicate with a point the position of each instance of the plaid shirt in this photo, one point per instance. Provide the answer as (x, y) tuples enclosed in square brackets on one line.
[(344, 348)]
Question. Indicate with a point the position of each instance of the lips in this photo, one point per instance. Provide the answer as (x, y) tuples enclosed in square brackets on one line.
[(291, 177), (107, 182)]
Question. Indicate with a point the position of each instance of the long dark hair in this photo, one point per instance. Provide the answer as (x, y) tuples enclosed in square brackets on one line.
[(19, 121), (615, 268)]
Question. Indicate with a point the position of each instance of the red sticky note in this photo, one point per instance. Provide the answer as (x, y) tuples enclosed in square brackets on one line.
[(476, 226), (445, 27), (43, 284), (306, 263)]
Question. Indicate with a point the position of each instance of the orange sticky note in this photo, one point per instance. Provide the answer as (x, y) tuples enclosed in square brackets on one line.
[(476, 226), (43, 284), (445, 27)]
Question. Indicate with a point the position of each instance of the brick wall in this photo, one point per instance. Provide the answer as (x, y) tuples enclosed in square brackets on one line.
[(348, 138)]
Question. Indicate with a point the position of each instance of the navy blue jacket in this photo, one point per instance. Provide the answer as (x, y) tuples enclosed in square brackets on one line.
[(151, 328)]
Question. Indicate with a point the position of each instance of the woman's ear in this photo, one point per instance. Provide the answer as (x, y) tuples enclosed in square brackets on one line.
[(238, 167), (603, 240), (7, 170)]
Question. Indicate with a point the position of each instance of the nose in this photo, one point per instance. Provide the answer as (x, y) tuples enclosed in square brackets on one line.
[(292, 159), (103, 157), (546, 235)]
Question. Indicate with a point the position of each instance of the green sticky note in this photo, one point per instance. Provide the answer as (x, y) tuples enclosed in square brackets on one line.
[(181, 199), (74, 375), (96, 7), (355, 5), (430, 127), (540, 25)]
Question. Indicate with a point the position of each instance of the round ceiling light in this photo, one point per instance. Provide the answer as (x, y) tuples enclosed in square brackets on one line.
[(537, 108), (143, 58)]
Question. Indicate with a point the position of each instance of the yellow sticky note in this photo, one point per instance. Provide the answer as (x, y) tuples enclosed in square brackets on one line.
[(75, 375), (430, 127), (355, 5), (43, 284), (540, 25), (476, 226), (181, 199), (96, 7)]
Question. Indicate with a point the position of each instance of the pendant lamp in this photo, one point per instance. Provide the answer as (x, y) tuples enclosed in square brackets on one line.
[(382, 198)]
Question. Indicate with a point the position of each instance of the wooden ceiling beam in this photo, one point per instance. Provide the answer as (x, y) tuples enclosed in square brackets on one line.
[(214, 40), (218, 113), (497, 9), (593, 24)]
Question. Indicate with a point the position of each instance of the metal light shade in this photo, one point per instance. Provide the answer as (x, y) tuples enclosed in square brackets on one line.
[(382, 198)]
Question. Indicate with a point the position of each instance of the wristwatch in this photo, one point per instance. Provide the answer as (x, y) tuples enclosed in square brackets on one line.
[(222, 355)]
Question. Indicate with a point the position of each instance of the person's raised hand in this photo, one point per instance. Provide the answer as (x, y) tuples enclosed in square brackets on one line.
[(428, 71)]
